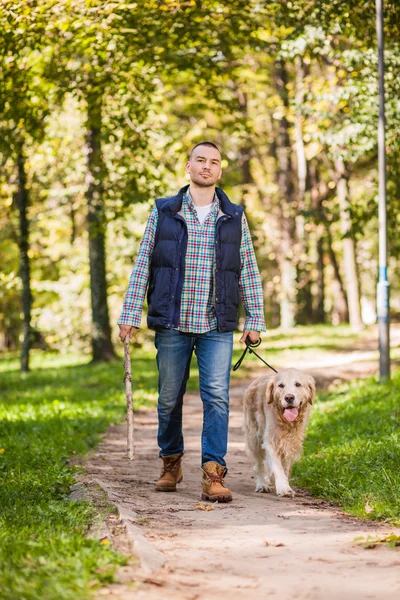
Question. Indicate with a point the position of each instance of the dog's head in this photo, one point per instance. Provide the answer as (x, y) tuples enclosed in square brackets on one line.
[(290, 391)]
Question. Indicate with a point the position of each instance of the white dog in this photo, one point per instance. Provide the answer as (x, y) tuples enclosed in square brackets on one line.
[(276, 412)]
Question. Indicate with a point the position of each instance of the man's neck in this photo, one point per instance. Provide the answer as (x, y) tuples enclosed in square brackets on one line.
[(201, 196)]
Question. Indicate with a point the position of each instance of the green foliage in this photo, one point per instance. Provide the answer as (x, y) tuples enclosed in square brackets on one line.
[(163, 76), (351, 450)]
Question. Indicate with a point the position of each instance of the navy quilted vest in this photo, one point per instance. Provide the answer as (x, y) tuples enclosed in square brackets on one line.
[(167, 269)]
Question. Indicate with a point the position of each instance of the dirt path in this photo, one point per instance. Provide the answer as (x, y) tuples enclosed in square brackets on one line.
[(257, 547)]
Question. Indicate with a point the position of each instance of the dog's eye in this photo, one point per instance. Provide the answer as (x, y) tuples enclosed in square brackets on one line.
[(281, 385), (298, 384)]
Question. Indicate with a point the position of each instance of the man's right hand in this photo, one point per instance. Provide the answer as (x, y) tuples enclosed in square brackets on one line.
[(125, 330)]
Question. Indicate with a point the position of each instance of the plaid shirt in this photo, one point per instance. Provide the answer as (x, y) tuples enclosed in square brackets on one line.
[(197, 314)]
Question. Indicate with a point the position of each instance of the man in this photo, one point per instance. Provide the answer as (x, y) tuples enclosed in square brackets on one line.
[(197, 258)]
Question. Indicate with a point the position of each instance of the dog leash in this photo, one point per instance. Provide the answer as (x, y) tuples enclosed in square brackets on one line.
[(249, 349)]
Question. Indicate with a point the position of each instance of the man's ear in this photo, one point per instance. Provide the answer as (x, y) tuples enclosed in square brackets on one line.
[(311, 388), (269, 392)]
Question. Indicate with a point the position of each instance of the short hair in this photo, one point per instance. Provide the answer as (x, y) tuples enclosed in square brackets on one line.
[(209, 144)]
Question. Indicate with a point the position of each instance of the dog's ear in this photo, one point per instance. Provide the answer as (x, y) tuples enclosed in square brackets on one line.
[(312, 390), (269, 392)]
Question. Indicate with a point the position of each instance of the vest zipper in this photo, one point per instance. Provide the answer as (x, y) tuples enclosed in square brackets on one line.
[(182, 272), (214, 300)]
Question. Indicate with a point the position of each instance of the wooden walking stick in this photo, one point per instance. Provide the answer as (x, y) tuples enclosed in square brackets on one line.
[(128, 393)]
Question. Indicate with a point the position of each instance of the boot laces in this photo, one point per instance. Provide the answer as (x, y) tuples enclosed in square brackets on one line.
[(214, 478)]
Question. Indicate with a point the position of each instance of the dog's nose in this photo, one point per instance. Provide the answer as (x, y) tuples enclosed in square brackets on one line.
[(289, 398)]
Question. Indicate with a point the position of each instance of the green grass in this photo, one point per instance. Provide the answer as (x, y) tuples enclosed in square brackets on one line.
[(352, 450), (46, 416)]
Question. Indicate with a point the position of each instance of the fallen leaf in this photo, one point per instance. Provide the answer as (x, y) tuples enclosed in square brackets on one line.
[(204, 506), (368, 509), (277, 545), (391, 541), (153, 581)]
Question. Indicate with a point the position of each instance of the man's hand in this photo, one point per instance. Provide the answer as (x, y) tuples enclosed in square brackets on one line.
[(125, 330), (253, 335)]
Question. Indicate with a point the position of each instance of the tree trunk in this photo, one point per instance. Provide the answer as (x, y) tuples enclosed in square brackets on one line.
[(286, 192), (72, 214), (300, 152), (24, 269), (304, 300), (101, 332), (317, 206), (340, 297), (245, 152), (349, 255), (319, 311)]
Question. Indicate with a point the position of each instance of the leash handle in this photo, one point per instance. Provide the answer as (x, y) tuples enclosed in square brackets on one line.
[(249, 348), (249, 344)]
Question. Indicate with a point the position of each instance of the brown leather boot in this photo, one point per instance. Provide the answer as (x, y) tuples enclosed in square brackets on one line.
[(171, 473), (213, 483)]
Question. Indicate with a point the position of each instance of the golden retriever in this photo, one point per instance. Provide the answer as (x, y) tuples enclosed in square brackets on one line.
[(276, 411)]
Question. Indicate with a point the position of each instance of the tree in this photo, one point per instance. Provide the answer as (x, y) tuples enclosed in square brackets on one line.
[(23, 105)]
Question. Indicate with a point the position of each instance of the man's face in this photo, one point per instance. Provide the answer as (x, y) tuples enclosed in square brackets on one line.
[(204, 166)]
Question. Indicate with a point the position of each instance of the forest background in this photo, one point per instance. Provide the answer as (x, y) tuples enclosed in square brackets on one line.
[(100, 104)]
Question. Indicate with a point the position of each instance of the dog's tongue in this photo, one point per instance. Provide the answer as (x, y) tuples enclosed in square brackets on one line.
[(290, 414)]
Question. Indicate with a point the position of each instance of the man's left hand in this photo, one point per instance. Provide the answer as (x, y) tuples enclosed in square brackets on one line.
[(253, 335)]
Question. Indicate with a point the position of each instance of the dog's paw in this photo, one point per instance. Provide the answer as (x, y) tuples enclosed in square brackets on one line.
[(262, 485), (263, 488), (285, 491)]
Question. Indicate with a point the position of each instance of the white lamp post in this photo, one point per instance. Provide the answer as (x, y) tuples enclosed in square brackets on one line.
[(383, 310)]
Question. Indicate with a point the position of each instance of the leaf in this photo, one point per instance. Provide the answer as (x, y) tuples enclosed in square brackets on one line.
[(275, 544), (368, 509), (204, 506), (391, 541)]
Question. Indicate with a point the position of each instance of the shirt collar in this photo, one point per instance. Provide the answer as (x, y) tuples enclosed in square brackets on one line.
[(189, 201)]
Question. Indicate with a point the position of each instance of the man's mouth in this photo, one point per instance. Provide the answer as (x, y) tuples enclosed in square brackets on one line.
[(291, 414)]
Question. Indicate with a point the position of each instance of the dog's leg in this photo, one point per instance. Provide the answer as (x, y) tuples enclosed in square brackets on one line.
[(262, 480), (287, 466), (281, 481), (257, 453)]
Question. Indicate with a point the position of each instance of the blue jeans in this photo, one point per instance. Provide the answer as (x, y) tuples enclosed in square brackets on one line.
[(214, 355)]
